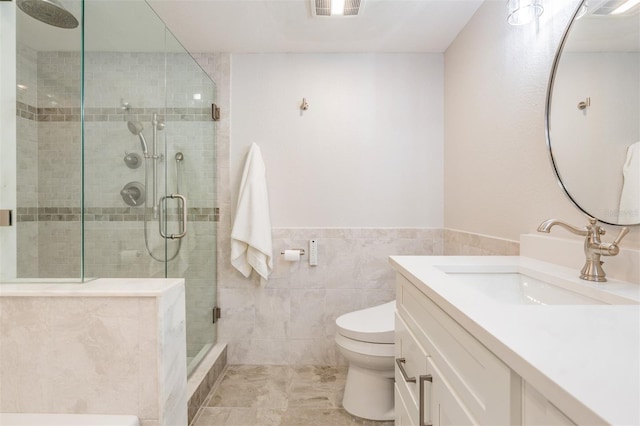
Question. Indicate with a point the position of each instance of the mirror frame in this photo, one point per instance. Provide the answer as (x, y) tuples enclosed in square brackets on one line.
[(550, 85)]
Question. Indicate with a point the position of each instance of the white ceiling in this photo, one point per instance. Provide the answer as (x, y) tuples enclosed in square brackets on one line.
[(238, 26), (255, 26), (289, 26)]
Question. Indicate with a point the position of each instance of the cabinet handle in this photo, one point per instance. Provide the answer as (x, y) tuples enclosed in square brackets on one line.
[(425, 378), (399, 362)]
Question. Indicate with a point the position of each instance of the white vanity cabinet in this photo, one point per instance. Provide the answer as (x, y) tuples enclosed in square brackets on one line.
[(538, 411), (463, 383), (490, 361)]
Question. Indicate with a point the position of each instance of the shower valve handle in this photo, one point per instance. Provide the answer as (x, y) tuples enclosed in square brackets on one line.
[(128, 193)]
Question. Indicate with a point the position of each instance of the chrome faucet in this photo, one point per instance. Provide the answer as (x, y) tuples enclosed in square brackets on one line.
[(593, 247)]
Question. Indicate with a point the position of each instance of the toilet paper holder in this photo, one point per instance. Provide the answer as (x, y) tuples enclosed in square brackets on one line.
[(300, 250)]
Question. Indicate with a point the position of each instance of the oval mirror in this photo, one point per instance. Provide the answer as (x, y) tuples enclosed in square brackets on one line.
[(593, 111)]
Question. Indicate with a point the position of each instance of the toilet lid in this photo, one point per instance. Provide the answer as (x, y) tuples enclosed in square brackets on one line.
[(374, 325)]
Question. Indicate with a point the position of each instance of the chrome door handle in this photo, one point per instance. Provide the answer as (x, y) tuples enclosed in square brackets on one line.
[(183, 225), (425, 378), (399, 362)]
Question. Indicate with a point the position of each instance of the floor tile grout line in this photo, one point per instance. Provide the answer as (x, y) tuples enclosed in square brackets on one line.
[(205, 403)]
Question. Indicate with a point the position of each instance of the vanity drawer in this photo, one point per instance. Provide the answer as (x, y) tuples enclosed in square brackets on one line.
[(412, 358), (481, 381)]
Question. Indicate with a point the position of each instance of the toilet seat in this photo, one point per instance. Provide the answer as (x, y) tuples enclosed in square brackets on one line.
[(371, 325), (365, 348)]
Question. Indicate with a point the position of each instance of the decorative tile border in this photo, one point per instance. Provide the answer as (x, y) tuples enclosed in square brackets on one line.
[(111, 114), (109, 214)]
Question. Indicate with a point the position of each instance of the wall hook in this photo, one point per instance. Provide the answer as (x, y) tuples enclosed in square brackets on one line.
[(305, 105), (584, 104)]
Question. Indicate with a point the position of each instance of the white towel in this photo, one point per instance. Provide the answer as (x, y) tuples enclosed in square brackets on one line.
[(630, 196), (251, 245)]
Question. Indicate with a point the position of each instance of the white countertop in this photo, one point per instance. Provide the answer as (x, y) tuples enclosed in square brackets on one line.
[(584, 358), (101, 287)]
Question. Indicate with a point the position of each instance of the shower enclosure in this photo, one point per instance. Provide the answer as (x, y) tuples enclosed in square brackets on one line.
[(115, 159)]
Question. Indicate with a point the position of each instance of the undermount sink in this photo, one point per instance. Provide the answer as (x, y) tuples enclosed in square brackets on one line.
[(516, 286), (520, 289)]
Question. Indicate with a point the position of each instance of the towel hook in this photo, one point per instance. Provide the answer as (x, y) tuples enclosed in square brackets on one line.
[(584, 104), (305, 105)]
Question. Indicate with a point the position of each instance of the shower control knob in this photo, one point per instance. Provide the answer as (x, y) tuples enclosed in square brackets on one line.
[(133, 194)]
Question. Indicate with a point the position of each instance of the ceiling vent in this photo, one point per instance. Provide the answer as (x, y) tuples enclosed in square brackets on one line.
[(333, 8), (615, 7)]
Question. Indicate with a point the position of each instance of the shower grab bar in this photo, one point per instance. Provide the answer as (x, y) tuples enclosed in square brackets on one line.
[(183, 224)]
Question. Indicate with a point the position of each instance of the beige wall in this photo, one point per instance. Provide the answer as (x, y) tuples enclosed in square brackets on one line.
[(498, 178)]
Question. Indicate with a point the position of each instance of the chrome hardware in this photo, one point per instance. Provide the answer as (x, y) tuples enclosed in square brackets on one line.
[(215, 112), (593, 247), (399, 362), (217, 313), (584, 104), (132, 160), (133, 194), (6, 218), (300, 250), (424, 378), (183, 223)]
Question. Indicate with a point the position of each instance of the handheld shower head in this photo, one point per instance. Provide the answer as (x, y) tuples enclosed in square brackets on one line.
[(136, 128)]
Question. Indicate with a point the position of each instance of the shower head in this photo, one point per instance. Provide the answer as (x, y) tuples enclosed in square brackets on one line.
[(136, 128), (48, 11)]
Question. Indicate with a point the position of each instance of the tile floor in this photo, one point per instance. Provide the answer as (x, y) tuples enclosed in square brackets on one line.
[(269, 395)]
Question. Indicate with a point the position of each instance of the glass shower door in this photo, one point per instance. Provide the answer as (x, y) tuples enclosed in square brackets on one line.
[(149, 160), (190, 170)]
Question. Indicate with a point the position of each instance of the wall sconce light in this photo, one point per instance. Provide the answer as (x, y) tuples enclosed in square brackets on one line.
[(523, 12), (584, 8)]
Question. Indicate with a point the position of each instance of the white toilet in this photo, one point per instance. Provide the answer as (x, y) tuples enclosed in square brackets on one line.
[(365, 338)]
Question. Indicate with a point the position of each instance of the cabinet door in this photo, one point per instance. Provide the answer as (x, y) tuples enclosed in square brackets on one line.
[(443, 408), (482, 383), (538, 411), (402, 415), (411, 363)]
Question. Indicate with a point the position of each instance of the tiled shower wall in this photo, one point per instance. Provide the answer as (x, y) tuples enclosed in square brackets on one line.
[(50, 173)]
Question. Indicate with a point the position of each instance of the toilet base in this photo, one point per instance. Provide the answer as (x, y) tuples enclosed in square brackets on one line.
[(369, 394)]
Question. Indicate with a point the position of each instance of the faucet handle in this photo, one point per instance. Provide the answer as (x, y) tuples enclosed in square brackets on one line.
[(593, 224), (624, 231)]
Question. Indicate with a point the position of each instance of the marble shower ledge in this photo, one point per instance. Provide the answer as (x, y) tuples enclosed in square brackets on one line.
[(101, 287), (107, 346)]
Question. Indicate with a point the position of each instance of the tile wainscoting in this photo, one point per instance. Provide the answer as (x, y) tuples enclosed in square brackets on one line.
[(461, 243), (290, 319)]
